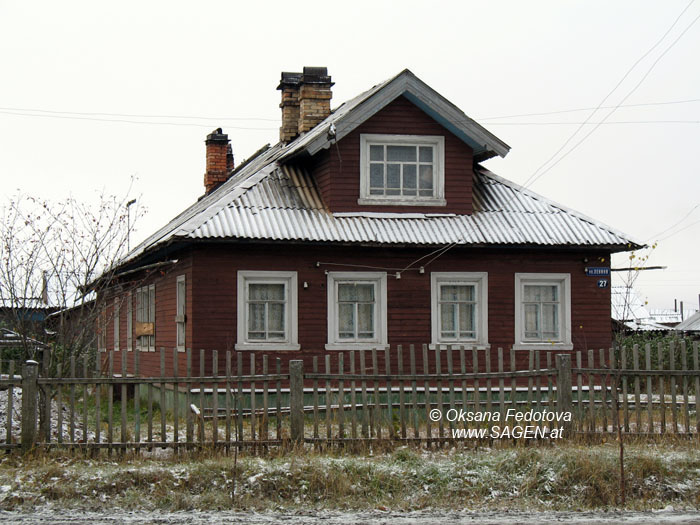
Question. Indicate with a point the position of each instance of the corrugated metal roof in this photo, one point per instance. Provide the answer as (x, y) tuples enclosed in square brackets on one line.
[(268, 198), (691, 324), (284, 205)]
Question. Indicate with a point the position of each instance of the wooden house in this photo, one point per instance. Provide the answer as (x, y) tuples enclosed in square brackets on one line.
[(372, 225)]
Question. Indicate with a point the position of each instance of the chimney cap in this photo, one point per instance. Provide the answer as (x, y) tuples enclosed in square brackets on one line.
[(217, 137), (316, 75), (289, 79)]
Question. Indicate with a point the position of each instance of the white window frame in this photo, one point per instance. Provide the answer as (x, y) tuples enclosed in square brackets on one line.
[(147, 311), (289, 279), (438, 143), (380, 311), (477, 279), (180, 313), (563, 281), (116, 313), (129, 322), (102, 329)]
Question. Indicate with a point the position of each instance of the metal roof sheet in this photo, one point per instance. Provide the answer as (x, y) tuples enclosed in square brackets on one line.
[(284, 205)]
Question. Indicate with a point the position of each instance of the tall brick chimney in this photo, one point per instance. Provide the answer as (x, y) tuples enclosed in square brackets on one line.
[(219, 160), (306, 100), (314, 97)]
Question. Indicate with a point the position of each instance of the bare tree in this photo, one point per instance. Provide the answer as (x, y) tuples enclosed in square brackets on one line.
[(59, 256)]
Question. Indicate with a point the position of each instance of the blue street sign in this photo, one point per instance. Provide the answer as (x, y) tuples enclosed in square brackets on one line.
[(597, 271)]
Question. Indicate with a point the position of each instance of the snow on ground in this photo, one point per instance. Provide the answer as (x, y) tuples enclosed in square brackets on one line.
[(16, 419)]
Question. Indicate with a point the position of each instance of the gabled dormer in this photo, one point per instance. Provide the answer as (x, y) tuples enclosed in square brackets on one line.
[(400, 147)]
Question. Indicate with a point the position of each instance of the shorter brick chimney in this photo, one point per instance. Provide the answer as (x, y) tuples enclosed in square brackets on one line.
[(219, 160), (306, 100), (289, 85)]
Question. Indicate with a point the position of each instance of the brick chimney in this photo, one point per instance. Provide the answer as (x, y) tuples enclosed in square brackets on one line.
[(219, 160), (289, 85), (314, 97), (306, 100)]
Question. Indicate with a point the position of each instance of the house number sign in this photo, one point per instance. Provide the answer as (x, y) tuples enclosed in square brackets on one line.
[(602, 283)]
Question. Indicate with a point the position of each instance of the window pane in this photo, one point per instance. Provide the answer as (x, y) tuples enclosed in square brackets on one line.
[(393, 175), (531, 320), (447, 319), (376, 153), (453, 292), (376, 175), (347, 292), (346, 321), (256, 317), (365, 292), (426, 177), (266, 292), (401, 153), (275, 322), (426, 154), (365, 321), (550, 320), (540, 293), (409, 179), (466, 318)]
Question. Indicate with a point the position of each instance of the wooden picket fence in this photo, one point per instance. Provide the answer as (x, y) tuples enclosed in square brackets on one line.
[(372, 396)]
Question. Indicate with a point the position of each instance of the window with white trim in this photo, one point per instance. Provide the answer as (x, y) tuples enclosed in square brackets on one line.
[(459, 308), (116, 324), (102, 329), (543, 311), (267, 311), (129, 323), (146, 318), (402, 169), (356, 310), (180, 312)]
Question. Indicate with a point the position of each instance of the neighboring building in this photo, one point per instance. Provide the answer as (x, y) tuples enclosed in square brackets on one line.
[(690, 325), (372, 225), (630, 313)]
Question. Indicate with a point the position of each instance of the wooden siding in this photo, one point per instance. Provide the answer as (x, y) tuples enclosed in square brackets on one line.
[(165, 279), (337, 170), (212, 295)]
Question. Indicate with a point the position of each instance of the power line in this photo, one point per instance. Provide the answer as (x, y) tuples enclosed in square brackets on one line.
[(677, 223), (137, 115), (127, 121), (534, 177), (646, 104), (595, 123)]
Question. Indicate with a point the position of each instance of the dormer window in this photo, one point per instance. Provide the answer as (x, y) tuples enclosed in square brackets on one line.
[(402, 170)]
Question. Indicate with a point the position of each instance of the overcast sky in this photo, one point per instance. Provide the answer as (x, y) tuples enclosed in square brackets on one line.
[(66, 66)]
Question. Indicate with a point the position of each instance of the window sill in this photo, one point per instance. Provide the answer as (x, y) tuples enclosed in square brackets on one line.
[(465, 345), (543, 346), (356, 346), (401, 202), (267, 346)]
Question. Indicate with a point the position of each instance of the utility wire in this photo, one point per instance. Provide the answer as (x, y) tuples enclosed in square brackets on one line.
[(126, 121), (653, 65), (532, 178), (645, 104), (224, 119)]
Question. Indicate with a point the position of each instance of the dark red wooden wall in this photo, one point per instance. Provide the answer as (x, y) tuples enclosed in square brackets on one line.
[(337, 170)]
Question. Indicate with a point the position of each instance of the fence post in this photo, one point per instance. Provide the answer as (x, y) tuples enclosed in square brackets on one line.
[(30, 372), (564, 393), (296, 400)]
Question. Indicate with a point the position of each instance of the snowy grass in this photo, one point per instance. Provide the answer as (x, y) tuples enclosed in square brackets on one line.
[(561, 477)]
